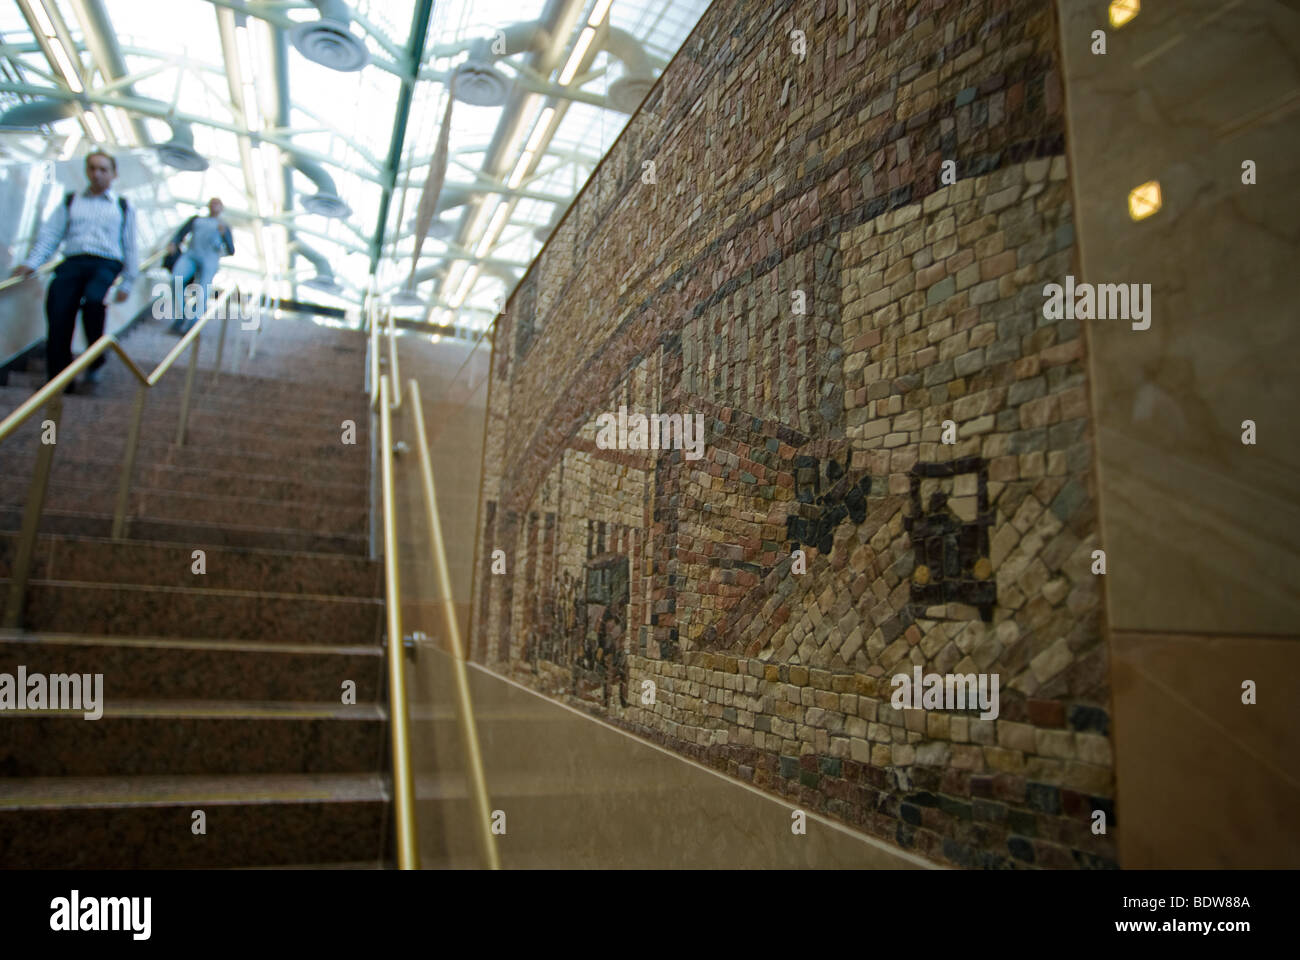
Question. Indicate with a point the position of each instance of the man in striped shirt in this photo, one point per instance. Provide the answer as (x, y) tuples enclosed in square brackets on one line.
[(98, 235)]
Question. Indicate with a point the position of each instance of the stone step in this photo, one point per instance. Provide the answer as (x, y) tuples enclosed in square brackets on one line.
[(222, 691), (156, 668), (323, 445), (125, 610), (178, 737), (323, 388), (67, 467), (109, 448), (146, 822), (353, 470), (113, 410), (193, 534), (157, 504), (97, 560)]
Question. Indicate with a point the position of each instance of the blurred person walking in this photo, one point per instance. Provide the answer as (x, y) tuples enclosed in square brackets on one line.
[(210, 240), (97, 230)]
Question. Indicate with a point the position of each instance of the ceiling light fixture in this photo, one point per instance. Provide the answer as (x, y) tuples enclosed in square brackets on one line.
[(575, 58), (65, 65), (454, 275), (539, 131), (259, 185), (96, 130), (470, 277), (598, 12), (521, 168), (532, 100), (70, 145), (494, 228), (248, 78), (121, 125), (42, 18), (62, 55)]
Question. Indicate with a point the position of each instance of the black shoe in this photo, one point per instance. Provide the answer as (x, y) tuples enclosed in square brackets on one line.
[(91, 377)]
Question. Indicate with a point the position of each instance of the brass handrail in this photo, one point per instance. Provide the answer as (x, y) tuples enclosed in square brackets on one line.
[(51, 396), (386, 399), (108, 341), (374, 354), (14, 281), (408, 852), (465, 707), (392, 361), (53, 265)]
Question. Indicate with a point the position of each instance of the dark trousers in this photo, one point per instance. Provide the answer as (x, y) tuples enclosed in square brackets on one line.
[(79, 283)]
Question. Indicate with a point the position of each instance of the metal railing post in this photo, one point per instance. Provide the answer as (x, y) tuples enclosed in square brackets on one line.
[(32, 520), (408, 853), (128, 463), (221, 343), (185, 397)]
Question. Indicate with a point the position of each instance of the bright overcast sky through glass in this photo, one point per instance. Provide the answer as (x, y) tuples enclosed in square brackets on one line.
[(301, 152)]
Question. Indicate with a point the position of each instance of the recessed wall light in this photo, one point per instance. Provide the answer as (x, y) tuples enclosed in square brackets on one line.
[(1122, 11), (1144, 200)]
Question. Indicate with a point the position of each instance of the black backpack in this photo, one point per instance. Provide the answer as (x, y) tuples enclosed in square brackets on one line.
[(121, 202), (169, 261)]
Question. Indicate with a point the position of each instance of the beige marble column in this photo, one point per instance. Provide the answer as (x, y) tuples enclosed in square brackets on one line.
[(1200, 530)]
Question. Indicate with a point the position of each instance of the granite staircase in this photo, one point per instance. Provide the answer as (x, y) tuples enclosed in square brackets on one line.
[(224, 691)]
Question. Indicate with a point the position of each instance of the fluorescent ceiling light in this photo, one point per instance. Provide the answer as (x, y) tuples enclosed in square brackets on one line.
[(121, 124), (96, 130), (248, 78), (494, 228), (268, 163), (454, 275), (115, 124), (259, 185), (521, 168), (252, 114), (598, 12), (539, 131), (527, 108), (575, 58), (70, 146), (267, 241), (42, 18), (470, 277), (65, 65), (265, 66), (244, 43), (485, 211)]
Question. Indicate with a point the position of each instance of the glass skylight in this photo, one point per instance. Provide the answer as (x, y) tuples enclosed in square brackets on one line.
[(212, 65)]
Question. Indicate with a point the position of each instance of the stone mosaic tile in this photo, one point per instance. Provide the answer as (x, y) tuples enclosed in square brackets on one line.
[(801, 278)]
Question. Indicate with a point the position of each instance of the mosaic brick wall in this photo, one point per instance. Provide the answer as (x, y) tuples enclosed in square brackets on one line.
[(794, 270)]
